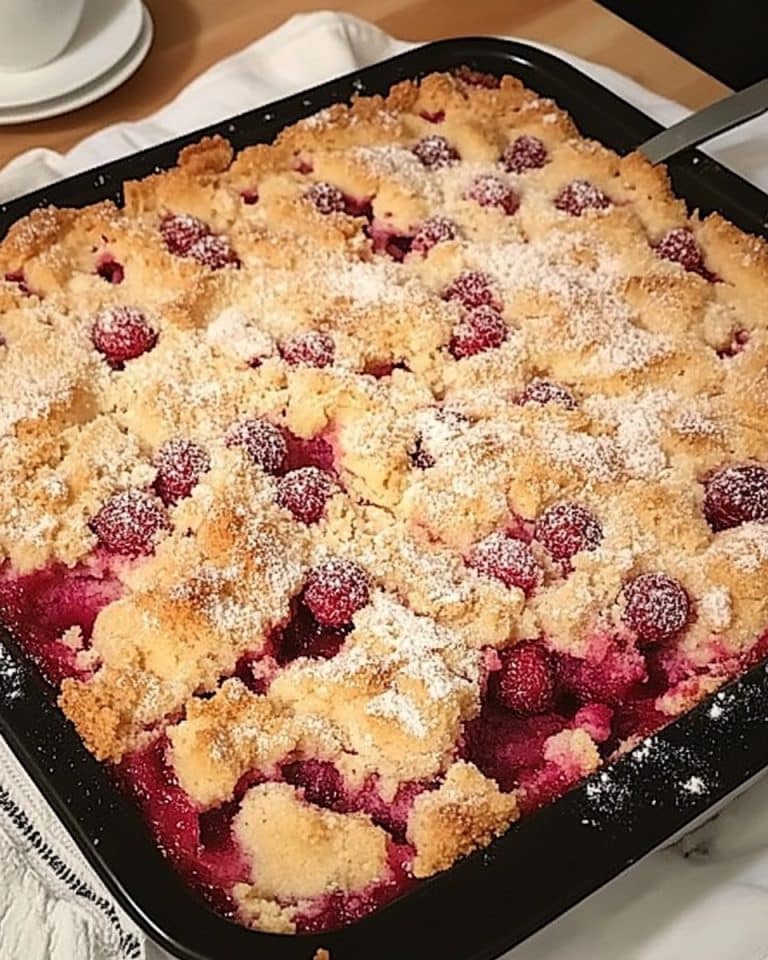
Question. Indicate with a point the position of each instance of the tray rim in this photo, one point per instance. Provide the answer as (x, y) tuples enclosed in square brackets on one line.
[(346, 942)]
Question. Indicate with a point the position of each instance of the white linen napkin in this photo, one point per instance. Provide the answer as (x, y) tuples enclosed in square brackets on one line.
[(53, 907)]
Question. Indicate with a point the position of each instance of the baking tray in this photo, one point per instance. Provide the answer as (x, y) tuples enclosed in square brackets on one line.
[(551, 860)]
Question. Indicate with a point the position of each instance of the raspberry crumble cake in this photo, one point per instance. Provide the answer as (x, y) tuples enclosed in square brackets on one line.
[(364, 491)]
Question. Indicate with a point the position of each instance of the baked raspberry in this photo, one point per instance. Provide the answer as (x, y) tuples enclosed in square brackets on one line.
[(110, 269), (305, 493), (656, 607), (181, 231), (436, 116), (736, 495), (214, 252), (524, 153), (122, 334), (326, 198), (609, 680), (504, 558), (526, 681), (481, 329), (433, 231), (180, 464), (304, 165), (130, 522), (473, 288), (679, 245), (581, 195), (310, 349), (186, 236), (436, 152), (263, 441), (490, 191), (567, 528), (546, 391), (249, 197), (321, 781), (336, 589), (476, 78)]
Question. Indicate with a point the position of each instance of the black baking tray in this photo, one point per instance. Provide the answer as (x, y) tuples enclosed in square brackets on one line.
[(543, 865)]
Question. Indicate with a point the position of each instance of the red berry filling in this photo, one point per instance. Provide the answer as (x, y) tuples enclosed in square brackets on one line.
[(595, 719), (566, 528), (326, 198), (481, 329), (473, 288), (490, 191), (110, 269), (436, 116), (657, 607), (433, 231), (181, 232), (610, 680), (526, 681), (579, 196), (311, 349), (17, 277), (736, 345), (313, 452), (180, 464), (435, 152), (524, 153), (249, 197), (387, 240), (130, 522), (341, 909), (122, 334), (321, 782), (736, 495), (263, 442), (504, 558), (476, 78), (505, 745), (305, 492), (336, 589), (679, 245), (303, 636), (39, 607), (186, 236), (199, 844), (546, 391)]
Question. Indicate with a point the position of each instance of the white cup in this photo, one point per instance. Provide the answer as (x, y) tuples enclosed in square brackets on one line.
[(32, 32)]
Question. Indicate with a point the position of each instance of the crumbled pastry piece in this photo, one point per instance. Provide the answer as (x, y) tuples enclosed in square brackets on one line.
[(298, 851), (467, 810)]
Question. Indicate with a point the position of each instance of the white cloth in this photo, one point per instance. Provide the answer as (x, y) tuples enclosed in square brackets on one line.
[(711, 906)]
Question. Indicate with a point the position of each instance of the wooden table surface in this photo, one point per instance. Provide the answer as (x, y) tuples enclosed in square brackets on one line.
[(190, 35)]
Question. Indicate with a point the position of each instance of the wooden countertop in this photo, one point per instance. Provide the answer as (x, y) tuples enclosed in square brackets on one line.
[(190, 35)]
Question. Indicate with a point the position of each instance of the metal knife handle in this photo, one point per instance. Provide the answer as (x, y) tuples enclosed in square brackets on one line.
[(707, 123)]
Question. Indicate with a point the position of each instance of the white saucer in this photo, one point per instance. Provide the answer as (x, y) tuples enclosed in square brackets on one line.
[(107, 32), (105, 51)]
